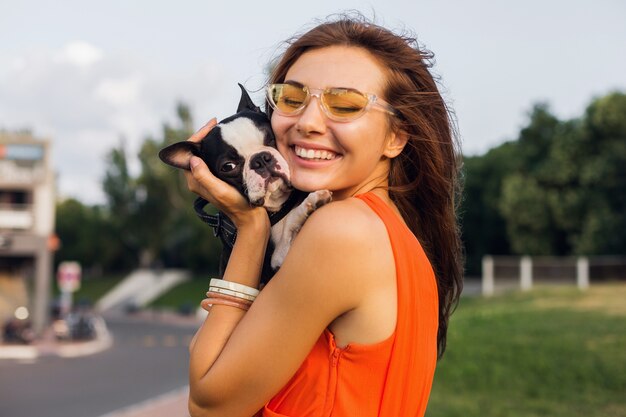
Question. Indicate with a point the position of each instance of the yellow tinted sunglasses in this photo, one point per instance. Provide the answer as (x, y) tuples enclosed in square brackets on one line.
[(338, 103)]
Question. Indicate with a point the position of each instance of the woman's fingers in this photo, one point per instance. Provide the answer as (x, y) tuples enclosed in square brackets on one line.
[(222, 195), (200, 180), (201, 173), (204, 130)]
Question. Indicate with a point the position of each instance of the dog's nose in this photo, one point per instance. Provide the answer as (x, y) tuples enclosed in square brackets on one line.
[(262, 162)]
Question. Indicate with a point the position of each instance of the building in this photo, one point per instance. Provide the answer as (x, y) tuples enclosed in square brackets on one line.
[(27, 212)]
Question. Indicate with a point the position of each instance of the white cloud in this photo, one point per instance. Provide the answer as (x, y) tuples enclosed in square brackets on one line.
[(81, 53), (85, 100), (119, 92), (16, 65)]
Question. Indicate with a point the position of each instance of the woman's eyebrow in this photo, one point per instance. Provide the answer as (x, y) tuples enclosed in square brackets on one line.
[(299, 84), (294, 82)]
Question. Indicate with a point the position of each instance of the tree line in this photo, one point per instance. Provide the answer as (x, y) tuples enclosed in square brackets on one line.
[(559, 189), (147, 220)]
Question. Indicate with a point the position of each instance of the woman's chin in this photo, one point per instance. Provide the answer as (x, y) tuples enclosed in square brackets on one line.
[(308, 184)]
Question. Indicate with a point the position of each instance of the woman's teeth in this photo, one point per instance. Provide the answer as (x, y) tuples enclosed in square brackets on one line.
[(314, 154)]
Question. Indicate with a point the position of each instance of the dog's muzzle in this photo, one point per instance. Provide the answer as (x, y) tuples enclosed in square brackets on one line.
[(267, 179), (264, 164)]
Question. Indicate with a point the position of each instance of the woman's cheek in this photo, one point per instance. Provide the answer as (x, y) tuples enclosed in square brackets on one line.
[(280, 127), (278, 123)]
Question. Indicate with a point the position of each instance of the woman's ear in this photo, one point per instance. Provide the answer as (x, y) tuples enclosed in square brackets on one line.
[(395, 143)]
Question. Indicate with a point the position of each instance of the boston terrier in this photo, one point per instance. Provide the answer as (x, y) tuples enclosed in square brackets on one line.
[(241, 151)]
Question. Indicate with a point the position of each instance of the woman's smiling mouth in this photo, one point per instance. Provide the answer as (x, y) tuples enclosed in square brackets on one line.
[(314, 154)]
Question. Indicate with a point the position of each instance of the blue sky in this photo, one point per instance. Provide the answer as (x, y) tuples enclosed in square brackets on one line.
[(85, 74)]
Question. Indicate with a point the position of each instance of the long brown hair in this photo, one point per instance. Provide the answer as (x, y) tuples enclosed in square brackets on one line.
[(423, 179)]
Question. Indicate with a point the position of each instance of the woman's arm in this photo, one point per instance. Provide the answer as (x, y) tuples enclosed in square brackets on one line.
[(244, 267), (240, 360), (247, 255), (250, 247)]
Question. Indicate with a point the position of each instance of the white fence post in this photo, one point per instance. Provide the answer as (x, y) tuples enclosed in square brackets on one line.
[(526, 273), (488, 278), (582, 272)]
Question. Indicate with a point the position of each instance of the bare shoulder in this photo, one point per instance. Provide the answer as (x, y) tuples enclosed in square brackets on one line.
[(342, 263), (342, 245), (348, 220)]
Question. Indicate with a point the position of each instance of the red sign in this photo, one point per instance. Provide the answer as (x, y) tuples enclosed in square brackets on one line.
[(68, 276)]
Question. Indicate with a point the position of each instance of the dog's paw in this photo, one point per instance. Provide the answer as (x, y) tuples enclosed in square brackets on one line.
[(317, 199)]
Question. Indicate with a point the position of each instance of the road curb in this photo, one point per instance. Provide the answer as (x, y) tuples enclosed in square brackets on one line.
[(18, 352), (170, 404), (103, 341)]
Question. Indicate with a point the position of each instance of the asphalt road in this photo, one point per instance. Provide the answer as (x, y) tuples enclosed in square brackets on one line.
[(147, 360)]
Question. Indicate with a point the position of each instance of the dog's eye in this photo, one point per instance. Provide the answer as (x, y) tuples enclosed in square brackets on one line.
[(228, 166)]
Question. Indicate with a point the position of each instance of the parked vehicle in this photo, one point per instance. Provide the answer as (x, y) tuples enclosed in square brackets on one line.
[(17, 330), (78, 325)]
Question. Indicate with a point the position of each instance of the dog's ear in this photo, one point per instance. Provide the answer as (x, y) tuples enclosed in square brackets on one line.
[(179, 154), (246, 102)]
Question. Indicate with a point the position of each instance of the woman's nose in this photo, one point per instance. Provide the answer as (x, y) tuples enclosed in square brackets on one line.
[(312, 119)]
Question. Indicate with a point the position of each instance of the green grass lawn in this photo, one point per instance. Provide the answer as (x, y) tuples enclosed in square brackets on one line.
[(189, 293), (550, 352), (92, 289)]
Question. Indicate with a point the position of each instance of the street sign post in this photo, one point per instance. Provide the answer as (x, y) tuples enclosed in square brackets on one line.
[(68, 280)]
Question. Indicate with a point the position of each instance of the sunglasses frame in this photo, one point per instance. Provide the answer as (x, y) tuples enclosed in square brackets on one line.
[(373, 102)]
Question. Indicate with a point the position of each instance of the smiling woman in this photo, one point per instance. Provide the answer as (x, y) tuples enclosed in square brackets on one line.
[(360, 148), (355, 319)]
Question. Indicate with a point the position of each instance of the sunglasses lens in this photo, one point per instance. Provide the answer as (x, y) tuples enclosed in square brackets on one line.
[(339, 104), (344, 103), (287, 98)]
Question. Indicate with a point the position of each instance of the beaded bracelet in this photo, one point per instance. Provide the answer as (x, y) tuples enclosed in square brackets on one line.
[(220, 301), (211, 294)]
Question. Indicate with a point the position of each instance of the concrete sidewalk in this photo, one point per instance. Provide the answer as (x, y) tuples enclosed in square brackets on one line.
[(48, 345), (171, 404)]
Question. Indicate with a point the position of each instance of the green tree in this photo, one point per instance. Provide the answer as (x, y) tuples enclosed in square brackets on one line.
[(602, 177), (148, 219), (482, 224), (559, 189), (122, 208), (524, 201), (535, 140), (568, 194), (175, 234), (524, 204), (87, 236), (77, 226)]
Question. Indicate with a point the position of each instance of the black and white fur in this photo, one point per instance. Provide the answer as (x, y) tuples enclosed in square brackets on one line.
[(241, 150)]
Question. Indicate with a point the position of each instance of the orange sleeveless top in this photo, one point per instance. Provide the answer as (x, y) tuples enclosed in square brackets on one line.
[(391, 378)]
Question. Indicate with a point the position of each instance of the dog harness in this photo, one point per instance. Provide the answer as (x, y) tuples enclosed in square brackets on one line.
[(224, 228)]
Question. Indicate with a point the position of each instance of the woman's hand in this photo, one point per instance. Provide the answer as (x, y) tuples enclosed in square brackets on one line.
[(217, 192)]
